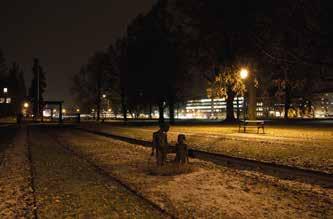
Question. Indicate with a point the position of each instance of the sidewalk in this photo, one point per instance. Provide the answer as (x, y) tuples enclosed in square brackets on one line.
[(16, 197)]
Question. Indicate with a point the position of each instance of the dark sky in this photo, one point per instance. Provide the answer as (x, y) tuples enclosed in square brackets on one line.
[(62, 34)]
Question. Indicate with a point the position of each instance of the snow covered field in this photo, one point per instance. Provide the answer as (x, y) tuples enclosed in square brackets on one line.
[(209, 191), (64, 184), (309, 147)]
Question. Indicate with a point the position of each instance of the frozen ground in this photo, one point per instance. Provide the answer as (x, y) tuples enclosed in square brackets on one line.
[(67, 186), (209, 191), (307, 146), (61, 186), (16, 197)]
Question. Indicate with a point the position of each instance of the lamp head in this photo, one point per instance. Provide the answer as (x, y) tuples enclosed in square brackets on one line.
[(244, 73)]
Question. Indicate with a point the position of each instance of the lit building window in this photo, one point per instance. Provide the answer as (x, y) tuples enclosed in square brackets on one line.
[(5, 90), (2, 100), (8, 100)]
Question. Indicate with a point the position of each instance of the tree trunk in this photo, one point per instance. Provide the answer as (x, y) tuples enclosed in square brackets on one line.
[(161, 112), (286, 101), (230, 106), (99, 93), (238, 112), (172, 112), (123, 105), (150, 111)]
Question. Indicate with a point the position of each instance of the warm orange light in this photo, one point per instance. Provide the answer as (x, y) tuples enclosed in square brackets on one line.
[(244, 73)]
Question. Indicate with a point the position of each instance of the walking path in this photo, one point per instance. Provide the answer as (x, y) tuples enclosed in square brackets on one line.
[(66, 186), (16, 194)]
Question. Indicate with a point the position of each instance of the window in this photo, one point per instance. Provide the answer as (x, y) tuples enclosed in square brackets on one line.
[(8, 100), (2, 100)]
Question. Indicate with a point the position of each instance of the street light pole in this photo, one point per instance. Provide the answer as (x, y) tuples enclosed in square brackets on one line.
[(244, 73)]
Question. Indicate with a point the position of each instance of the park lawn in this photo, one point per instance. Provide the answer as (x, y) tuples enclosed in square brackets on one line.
[(209, 191), (304, 147), (68, 187)]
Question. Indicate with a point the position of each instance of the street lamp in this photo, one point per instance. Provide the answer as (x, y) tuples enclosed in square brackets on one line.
[(26, 105), (104, 95), (244, 73), (77, 110)]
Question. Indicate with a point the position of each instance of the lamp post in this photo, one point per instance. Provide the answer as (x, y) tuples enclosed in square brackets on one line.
[(244, 73), (5, 92), (25, 108)]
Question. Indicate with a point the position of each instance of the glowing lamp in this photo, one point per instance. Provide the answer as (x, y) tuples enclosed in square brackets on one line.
[(244, 73)]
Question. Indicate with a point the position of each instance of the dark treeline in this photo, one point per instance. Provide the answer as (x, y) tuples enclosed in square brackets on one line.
[(12, 78), (178, 44)]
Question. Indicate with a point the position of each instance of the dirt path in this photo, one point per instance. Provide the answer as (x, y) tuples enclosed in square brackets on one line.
[(16, 194), (66, 186), (6, 137), (209, 191)]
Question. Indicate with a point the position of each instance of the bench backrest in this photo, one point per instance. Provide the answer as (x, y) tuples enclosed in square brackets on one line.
[(252, 121)]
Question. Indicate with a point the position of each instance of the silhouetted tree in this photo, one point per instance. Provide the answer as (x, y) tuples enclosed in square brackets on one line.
[(91, 82), (37, 88), (17, 86), (118, 74), (155, 59), (3, 66), (220, 39)]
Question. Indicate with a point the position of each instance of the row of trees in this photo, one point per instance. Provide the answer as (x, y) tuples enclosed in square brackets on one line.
[(12, 77), (285, 45)]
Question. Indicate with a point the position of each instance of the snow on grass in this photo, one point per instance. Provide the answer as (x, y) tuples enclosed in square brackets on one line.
[(303, 147), (207, 191)]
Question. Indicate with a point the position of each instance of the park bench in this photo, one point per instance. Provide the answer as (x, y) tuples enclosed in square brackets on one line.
[(259, 124)]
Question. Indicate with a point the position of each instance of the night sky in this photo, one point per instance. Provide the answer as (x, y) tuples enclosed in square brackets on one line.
[(62, 34)]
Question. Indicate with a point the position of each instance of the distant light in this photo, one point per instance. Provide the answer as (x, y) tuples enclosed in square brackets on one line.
[(63, 110), (104, 95), (5, 90), (54, 110), (109, 110), (244, 73), (26, 105), (77, 110), (93, 110)]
